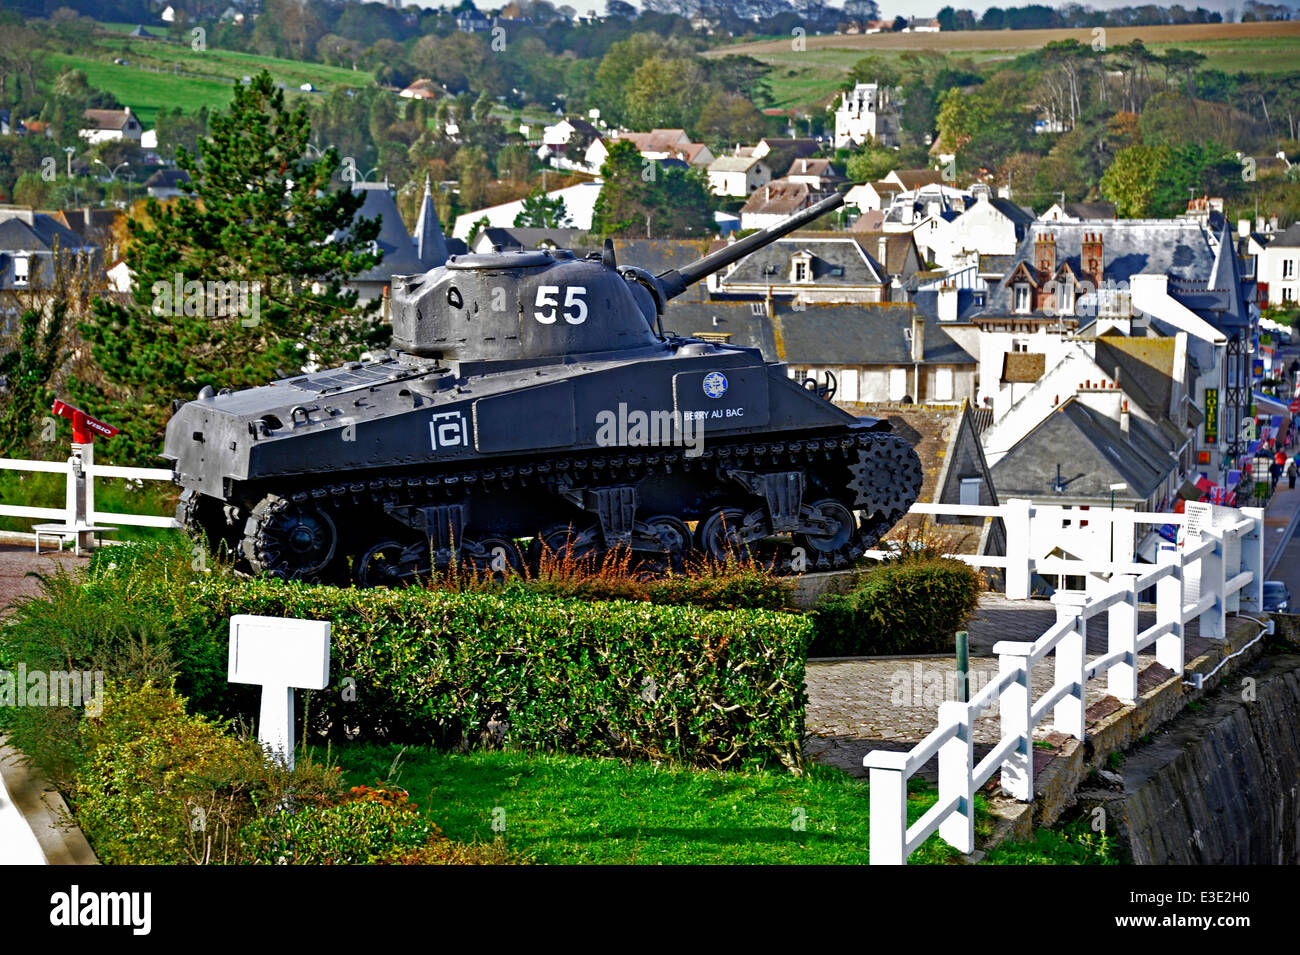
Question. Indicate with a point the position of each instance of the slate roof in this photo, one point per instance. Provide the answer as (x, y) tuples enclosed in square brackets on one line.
[(1093, 454), (1143, 366), (927, 300), (530, 237), (1290, 239), (1177, 247), (836, 262), (1090, 210), (847, 334), (400, 252), (23, 230)]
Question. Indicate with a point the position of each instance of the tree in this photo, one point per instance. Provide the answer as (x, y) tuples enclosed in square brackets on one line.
[(639, 198), (264, 226), (543, 212)]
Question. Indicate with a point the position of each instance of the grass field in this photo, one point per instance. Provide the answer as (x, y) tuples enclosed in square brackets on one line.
[(162, 74), (572, 810), (810, 77)]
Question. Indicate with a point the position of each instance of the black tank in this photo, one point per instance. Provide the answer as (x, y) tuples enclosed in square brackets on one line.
[(532, 395)]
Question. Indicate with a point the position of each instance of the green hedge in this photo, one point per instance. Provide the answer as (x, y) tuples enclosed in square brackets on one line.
[(618, 678), (912, 606)]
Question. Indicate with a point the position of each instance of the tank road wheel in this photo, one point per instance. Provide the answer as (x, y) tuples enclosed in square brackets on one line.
[(498, 556), (718, 534), (564, 543), (382, 566), (840, 527), (675, 537), (285, 539)]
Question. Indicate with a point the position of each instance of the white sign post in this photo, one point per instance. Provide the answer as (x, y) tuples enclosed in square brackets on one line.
[(279, 654)]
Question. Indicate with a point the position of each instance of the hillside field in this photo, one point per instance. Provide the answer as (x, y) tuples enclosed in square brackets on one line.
[(809, 77)]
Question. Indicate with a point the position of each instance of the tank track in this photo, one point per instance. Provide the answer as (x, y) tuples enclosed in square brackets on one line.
[(873, 472)]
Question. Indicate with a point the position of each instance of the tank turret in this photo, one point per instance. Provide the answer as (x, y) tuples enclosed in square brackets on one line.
[(502, 306), (533, 396)]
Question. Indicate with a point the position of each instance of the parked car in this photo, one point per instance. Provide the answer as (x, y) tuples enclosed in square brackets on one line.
[(1277, 599)]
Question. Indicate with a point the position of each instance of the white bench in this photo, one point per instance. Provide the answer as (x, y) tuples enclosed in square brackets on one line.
[(61, 532)]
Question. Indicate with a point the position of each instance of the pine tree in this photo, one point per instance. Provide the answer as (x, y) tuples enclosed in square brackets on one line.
[(259, 214)]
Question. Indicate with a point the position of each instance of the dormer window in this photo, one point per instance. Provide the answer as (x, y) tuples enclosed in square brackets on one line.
[(22, 268), (1065, 298), (801, 267), (1021, 298)]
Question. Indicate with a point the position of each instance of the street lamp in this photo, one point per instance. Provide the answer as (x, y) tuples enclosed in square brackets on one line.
[(112, 173), (69, 150), (1113, 488)]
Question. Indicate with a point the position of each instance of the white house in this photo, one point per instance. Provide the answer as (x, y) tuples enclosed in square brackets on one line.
[(110, 126), (737, 175), (579, 203), (866, 113), (1278, 267)]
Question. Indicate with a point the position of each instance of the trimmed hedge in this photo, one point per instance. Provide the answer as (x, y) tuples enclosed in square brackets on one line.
[(504, 666), (912, 606)]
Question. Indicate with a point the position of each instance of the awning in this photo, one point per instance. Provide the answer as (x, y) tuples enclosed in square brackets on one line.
[(1149, 547), (1190, 491), (1195, 416), (1274, 405)]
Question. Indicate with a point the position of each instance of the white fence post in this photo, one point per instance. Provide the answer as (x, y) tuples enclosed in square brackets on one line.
[(1071, 658), (1169, 609), (1214, 620), (888, 788), (1016, 714), (1016, 521), (1252, 559), (1121, 634), (956, 765)]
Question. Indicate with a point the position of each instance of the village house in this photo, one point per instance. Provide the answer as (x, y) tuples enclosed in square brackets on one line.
[(110, 126), (1278, 268), (773, 202), (820, 267), (736, 175)]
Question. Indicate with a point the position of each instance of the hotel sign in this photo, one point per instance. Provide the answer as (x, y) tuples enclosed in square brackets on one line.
[(1211, 415)]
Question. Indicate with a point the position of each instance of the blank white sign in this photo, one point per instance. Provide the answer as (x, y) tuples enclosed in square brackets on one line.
[(279, 651)]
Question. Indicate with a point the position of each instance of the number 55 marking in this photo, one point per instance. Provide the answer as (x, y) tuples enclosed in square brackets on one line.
[(547, 299)]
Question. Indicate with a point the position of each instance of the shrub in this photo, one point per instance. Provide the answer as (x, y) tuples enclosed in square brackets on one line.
[(160, 786), (505, 664), (911, 606)]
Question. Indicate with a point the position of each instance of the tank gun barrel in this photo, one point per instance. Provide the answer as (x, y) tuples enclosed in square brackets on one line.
[(675, 281)]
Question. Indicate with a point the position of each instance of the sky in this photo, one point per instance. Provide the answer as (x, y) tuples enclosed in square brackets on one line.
[(893, 8)]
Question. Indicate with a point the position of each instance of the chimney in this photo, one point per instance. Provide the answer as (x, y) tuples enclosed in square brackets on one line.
[(1272, 223), (1259, 223), (882, 252), (1045, 253), (1243, 227), (1124, 417), (85, 216), (948, 303), (1091, 260), (918, 337)]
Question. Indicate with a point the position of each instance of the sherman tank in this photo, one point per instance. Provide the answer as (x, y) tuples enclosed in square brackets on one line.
[(532, 400)]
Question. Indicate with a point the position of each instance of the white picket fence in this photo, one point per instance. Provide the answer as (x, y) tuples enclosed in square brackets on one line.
[(1218, 569), (68, 513)]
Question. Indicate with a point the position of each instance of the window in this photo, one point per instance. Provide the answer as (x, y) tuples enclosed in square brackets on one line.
[(970, 490), (1065, 298), (897, 384), (1022, 298), (848, 385), (1288, 293), (21, 268), (943, 384), (801, 271), (1288, 268), (1019, 345)]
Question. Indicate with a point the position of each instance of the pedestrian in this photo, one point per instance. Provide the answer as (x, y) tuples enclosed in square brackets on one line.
[(1275, 472), (1291, 472)]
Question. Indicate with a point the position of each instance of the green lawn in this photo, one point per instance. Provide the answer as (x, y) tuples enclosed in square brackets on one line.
[(163, 74), (564, 809)]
